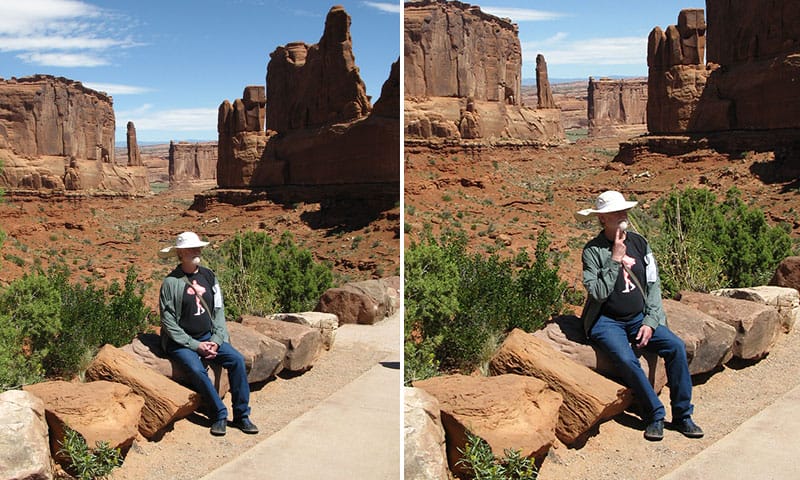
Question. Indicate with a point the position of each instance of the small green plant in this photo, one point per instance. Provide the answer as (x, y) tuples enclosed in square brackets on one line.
[(85, 463), (477, 458)]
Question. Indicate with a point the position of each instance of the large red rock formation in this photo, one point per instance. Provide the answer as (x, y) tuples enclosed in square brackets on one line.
[(543, 91), (319, 128), (134, 156), (58, 135), (45, 115), (750, 81), (616, 103), (463, 73), (313, 85), (191, 162)]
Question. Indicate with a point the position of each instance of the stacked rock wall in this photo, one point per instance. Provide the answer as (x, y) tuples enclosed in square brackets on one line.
[(190, 162), (750, 82), (613, 103), (45, 115)]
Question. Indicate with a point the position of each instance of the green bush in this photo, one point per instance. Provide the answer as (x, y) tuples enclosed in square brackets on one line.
[(702, 244), (51, 327), (479, 459), (85, 463), (461, 304), (259, 277)]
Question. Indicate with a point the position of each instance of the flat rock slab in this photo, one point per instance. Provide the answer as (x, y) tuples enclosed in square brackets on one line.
[(302, 343), (589, 398)]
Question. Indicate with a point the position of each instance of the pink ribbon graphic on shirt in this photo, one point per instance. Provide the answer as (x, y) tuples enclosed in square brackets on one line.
[(628, 262), (197, 290)]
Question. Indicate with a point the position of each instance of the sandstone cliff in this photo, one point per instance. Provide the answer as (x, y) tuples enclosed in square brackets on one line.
[(750, 81), (57, 135), (614, 105), (320, 128), (463, 71), (192, 162)]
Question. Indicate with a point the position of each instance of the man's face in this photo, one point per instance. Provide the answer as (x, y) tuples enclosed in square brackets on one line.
[(186, 254), (612, 219)]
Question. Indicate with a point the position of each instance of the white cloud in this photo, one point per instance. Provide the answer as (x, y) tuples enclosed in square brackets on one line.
[(521, 14), (384, 7), (181, 119), (60, 33), (63, 59), (115, 89), (594, 51)]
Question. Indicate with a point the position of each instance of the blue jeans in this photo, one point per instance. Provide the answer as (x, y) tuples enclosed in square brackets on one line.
[(615, 338), (232, 361)]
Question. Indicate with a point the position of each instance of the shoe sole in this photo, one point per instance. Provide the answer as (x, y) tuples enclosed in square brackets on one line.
[(654, 438)]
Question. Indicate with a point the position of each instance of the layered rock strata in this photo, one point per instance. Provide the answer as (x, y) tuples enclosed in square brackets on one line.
[(463, 71)]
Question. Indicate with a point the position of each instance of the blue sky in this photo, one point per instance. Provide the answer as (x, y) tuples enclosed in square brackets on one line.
[(583, 38), (170, 63)]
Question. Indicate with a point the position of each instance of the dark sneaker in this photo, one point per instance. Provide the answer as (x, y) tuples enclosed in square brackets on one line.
[(687, 427), (245, 425), (218, 427), (654, 430)]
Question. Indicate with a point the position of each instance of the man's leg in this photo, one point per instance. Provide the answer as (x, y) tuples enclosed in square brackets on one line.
[(612, 337), (672, 349), (233, 361), (200, 380)]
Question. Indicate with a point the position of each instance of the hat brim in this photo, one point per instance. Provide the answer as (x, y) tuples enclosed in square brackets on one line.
[(587, 213), (168, 252)]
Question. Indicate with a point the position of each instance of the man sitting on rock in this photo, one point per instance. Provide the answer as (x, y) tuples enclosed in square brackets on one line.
[(624, 307), (193, 331)]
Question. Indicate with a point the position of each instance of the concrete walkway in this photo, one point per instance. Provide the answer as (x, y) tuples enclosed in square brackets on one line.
[(353, 434), (765, 447)]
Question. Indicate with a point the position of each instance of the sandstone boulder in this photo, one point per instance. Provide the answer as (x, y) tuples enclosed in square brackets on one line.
[(787, 273), (565, 334), (164, 400), (99, 411), (263, 356), (756, 325), (589, 398), (424, 447), (326, 323), (507, 411), (709, 342), (785, 300), (364, 302), (24, 445), (302, 343), (146, 348)]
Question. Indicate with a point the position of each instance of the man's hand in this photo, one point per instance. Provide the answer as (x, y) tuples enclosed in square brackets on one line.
[(207, 350), (644, 335), (618, 250)]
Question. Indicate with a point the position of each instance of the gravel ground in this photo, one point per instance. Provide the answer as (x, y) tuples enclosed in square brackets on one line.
[(722, 402), (188, 451)]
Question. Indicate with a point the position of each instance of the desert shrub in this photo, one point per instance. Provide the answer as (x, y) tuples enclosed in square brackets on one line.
[(468, 301), (259, 277), (51, 327), (702, 244), (479, 459), (86, 463)]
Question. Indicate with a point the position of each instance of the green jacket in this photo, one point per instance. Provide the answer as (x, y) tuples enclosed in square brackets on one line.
[(600, 274), (170, 301)]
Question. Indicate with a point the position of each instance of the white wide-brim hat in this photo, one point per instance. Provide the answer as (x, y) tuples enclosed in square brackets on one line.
[(184, 240), (608, 201)]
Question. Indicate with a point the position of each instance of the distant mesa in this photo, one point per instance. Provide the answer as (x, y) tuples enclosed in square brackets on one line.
[(192, 163), (617, 106), (312, 133), (57, 135), (463, 78)]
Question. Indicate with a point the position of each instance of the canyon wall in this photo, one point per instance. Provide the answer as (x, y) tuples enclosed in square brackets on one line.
[(192, 162), (463, 74), (614, 105)]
